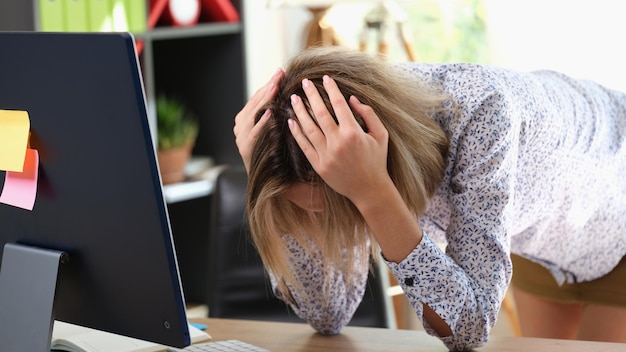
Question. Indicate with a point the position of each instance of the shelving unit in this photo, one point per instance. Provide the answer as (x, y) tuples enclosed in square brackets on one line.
[(171, 33), (204, 66)]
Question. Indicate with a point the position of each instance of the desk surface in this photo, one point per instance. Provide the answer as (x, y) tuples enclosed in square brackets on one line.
[(290, 337)]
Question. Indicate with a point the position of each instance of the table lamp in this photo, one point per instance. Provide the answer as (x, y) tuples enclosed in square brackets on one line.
[(318, 31)]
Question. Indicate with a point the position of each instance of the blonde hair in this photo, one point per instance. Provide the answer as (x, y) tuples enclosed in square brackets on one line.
[(416, 160)]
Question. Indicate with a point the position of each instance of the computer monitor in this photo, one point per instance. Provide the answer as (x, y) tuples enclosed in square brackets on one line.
[(99, 196)]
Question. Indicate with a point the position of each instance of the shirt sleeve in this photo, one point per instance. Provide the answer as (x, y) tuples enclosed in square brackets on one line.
[(326, 307), (465, 285)]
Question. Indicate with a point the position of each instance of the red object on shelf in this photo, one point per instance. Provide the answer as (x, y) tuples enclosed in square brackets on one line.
[(156, 11), (181, 13), (219, 11)]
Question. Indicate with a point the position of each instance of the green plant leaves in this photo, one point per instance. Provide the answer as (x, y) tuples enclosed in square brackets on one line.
[(176, 126)]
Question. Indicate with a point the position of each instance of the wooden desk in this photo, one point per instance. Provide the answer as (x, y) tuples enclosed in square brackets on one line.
[(289, 337)]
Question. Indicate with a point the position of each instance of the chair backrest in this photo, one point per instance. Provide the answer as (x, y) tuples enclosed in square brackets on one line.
[(238, 285)]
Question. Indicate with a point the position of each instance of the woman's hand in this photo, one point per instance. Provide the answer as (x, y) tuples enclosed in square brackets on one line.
[(245, 130), (352, 162)]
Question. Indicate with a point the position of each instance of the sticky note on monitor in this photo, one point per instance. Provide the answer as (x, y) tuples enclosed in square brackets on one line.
[(14, 129), (20, 188)]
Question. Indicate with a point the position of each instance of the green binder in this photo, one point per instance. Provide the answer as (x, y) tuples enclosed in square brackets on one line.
[(100, 16), (137, 15), (76, 16), (120, 17), (51, 15)]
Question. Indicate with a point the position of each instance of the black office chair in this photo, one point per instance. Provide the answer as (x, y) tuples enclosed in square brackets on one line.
[(238, 286)]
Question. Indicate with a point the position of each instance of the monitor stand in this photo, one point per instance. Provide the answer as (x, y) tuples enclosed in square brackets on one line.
[(28, 280)]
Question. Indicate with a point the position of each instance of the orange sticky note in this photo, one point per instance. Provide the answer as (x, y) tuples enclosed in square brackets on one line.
[(14, 128), (20, 188)]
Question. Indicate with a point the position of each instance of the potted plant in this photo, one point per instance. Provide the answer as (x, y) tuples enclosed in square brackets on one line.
[(177, 130)]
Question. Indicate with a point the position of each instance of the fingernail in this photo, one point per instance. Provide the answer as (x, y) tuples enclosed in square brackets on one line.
[(291, 123), (305, 83), (326, 79), (278, 72), (294, 99), (355, 99)]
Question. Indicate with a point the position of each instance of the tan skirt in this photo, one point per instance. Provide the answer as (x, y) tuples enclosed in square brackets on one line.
[(533, 278)]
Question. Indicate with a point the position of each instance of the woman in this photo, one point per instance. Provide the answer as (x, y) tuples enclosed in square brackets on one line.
[(347, 155)]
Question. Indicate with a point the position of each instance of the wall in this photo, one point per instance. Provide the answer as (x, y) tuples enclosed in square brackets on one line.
[(272, 35), (582, 38)]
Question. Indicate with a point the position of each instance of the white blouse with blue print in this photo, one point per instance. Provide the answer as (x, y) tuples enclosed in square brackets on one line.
[(536, 167)]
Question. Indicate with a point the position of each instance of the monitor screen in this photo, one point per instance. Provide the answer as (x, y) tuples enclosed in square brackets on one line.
[(98, 196)]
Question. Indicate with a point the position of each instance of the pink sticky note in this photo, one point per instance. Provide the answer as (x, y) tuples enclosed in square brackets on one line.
[(20, 188)]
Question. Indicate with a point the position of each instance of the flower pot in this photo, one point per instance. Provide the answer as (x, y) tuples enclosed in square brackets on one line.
[(172, 163)]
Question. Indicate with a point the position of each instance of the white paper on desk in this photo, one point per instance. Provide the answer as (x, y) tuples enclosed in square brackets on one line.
[(74, 338)]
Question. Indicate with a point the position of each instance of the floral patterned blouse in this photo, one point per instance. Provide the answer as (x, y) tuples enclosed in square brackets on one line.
[(536, 167)]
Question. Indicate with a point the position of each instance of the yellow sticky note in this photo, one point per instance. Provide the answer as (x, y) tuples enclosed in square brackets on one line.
[(14, 128)]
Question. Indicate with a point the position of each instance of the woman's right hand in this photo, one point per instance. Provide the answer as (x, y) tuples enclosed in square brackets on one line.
[(246, 130), (351, 160)]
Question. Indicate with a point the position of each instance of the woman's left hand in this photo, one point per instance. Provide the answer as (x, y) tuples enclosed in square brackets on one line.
[(351, 161)]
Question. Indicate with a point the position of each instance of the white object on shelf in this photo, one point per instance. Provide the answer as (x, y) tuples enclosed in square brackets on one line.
[(183, 12), (202, 175), (197, 165)]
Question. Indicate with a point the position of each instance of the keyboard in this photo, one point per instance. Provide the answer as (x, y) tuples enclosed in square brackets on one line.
[(220, 346)]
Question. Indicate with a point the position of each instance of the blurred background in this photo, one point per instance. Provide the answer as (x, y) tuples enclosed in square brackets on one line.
[(582, 37)]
